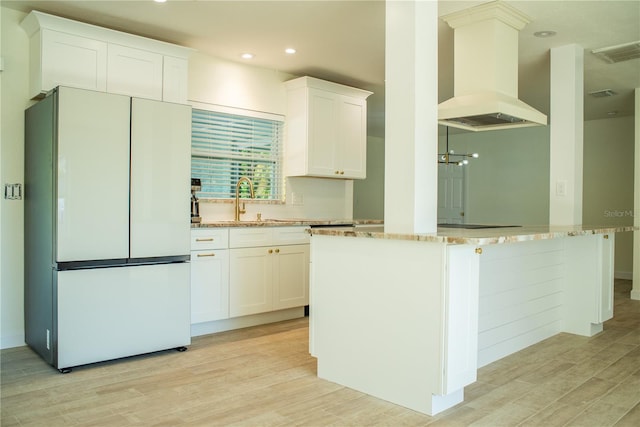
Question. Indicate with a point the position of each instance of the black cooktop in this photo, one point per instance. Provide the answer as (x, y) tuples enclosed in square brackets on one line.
[(474, 226)]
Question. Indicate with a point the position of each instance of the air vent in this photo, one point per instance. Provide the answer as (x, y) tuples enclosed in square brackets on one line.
[(619, 53), (603, 93)]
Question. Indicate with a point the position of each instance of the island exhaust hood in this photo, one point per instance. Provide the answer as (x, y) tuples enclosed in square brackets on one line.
[(486, 71)]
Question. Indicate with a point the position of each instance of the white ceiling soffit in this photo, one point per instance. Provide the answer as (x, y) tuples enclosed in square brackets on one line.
[(486, 71)]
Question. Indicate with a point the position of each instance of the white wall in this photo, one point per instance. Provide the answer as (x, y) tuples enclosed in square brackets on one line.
[(368, 194), (210, 81), (14, 100), (608, 182)]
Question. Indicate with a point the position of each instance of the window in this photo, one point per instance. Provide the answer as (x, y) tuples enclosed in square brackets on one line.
[(225, 147)]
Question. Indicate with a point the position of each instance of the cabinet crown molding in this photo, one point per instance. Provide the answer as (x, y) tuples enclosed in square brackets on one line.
[(35, 21), (312, 82)]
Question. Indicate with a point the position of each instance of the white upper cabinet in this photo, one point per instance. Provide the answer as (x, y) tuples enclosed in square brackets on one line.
[(134, 72), (174, 79), (70, 53), (326, 129), (67, 60)]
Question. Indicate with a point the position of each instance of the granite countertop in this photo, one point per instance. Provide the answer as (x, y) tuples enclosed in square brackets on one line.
[(288, 222), (484, 236)]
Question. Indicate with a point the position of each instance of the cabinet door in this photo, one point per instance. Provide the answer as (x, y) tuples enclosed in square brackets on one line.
[(460, 323), (323, 135), (291, 276), (134, 72), (174, 80), (351, 159), (68, 60), (209, 285), (250, 281)]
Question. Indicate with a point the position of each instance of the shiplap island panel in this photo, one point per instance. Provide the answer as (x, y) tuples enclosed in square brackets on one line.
[(409, 318)]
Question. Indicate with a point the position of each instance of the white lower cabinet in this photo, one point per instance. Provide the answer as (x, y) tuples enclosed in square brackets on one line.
[(291, 277), (209, 274), (209, 285), (247, 270), (251, 281), (271, 276)]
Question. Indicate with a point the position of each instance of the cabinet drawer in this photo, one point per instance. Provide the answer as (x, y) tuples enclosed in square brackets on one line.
[(290, 235), (210, 238), (267, 236), (247, 237)]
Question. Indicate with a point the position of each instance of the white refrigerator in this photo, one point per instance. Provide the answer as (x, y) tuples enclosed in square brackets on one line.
[(107, 223)]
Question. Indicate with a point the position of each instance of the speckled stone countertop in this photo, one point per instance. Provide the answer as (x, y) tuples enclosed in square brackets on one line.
[(287, 222), (485, 236)]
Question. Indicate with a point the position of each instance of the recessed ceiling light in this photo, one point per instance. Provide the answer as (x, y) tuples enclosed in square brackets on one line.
[(544, 34), (290, 51), (159, 1), (247, 55)]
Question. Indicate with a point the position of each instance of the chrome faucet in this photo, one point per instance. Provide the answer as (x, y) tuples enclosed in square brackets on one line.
[(238, 210)]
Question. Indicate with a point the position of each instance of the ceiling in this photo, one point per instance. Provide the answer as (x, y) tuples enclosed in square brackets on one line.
[(343, 41)]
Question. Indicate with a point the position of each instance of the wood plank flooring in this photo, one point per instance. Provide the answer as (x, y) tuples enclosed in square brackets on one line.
[(264, 376)]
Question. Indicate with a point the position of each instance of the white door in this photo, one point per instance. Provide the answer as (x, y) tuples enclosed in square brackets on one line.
[(134, 72), (451, 194), (92, 176), (352, 151), (250, 281), (322, 133), (291, 276), (209, 285), (160, 178), (72, 60)]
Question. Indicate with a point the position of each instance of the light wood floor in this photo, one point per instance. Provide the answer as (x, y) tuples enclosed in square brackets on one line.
[(264, 376)]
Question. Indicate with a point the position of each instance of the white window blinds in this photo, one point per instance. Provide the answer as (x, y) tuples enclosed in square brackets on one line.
[(225, 147)]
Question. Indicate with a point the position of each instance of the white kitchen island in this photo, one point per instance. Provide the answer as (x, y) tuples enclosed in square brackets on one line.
[(410, 318)]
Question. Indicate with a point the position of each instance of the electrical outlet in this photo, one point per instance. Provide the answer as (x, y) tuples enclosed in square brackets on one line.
[(297, 199)]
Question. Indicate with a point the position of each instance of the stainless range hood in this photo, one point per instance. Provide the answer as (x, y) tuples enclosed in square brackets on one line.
[(486, 71)]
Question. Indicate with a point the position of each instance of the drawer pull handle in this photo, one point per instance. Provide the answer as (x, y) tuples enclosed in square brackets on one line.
[(479, 251), (270, 251), (201, 255), (277, 251), (209, 239)]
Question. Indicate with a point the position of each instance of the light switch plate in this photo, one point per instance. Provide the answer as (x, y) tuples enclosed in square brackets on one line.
[(13, 191)]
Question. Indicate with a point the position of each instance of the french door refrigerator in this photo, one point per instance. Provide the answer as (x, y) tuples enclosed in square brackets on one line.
[(107, 223)]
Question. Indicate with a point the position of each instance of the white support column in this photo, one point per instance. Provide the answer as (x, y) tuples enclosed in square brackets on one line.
[(635, 292), (411, 117), (566, 141)]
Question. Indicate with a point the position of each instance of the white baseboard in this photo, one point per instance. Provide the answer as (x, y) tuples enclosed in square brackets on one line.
[(11, 341), (205, 328), (625, 275)]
